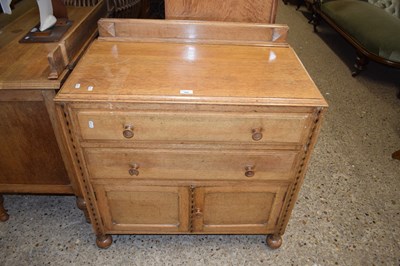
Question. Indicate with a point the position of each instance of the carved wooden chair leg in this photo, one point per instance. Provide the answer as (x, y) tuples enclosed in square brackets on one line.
[(360, 64), (3, 212), (299, 3), (315, 20), (396, 155), (274, 241), (104, 241), (81, 203)]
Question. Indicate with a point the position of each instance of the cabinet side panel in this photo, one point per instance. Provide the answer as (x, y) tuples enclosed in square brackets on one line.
[(299, 179), (77, 164), (29, 152)]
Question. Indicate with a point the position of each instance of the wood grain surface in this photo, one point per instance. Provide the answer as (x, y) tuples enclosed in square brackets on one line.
[(193, 32), (225, 73), (29, 152), (26, 65), (261, 11)]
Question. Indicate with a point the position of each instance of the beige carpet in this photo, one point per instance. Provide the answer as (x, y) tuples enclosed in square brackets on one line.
[(348, 211)]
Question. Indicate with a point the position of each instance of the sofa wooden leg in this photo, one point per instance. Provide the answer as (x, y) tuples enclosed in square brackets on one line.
[(310, 21), (315, 20), (299, 3), (360, 64)]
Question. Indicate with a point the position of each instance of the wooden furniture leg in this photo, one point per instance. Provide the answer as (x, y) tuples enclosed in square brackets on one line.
[(81, 203), (360, 64), (274, 241), (3, 212), (396, 155), (104, 241), (299, 3), (315, 20)]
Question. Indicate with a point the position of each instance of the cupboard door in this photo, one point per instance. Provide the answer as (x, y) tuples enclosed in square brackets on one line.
[(143, 209), (249, 209)]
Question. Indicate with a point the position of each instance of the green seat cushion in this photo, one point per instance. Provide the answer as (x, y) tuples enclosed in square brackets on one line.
[(372, 27)]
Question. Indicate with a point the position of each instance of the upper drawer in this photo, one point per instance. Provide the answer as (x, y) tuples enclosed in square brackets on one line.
[(190, 164), (194, 126)]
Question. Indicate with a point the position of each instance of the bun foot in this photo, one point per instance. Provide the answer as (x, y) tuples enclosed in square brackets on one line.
[(4, 216), (104, 241), (3, 212), (274, 241), (81, 204)]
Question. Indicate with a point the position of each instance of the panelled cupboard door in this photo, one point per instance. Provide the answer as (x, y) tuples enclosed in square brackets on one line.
[(248, 209), (143, 209)]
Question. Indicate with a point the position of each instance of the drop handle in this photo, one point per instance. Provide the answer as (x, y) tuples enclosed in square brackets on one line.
[(128, 131), (134, 169), (249, 171), (256, 134)]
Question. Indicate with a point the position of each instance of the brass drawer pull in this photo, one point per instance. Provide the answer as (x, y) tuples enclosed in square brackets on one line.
[(128, 131), (249, 171), (134, 169), (256, 134)]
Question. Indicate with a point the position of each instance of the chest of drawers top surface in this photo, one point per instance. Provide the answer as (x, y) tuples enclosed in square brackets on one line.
[(191, 72)]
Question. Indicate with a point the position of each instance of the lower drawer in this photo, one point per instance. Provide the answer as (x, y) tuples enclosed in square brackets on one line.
[(190, 164)]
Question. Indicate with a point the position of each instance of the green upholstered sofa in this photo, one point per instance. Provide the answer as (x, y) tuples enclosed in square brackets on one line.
[(372, 30)]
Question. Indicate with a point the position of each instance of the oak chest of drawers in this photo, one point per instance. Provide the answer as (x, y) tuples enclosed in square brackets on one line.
[(180, 127)]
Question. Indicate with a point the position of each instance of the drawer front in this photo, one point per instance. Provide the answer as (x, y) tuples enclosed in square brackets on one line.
[(192, 165), (195, 126)]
